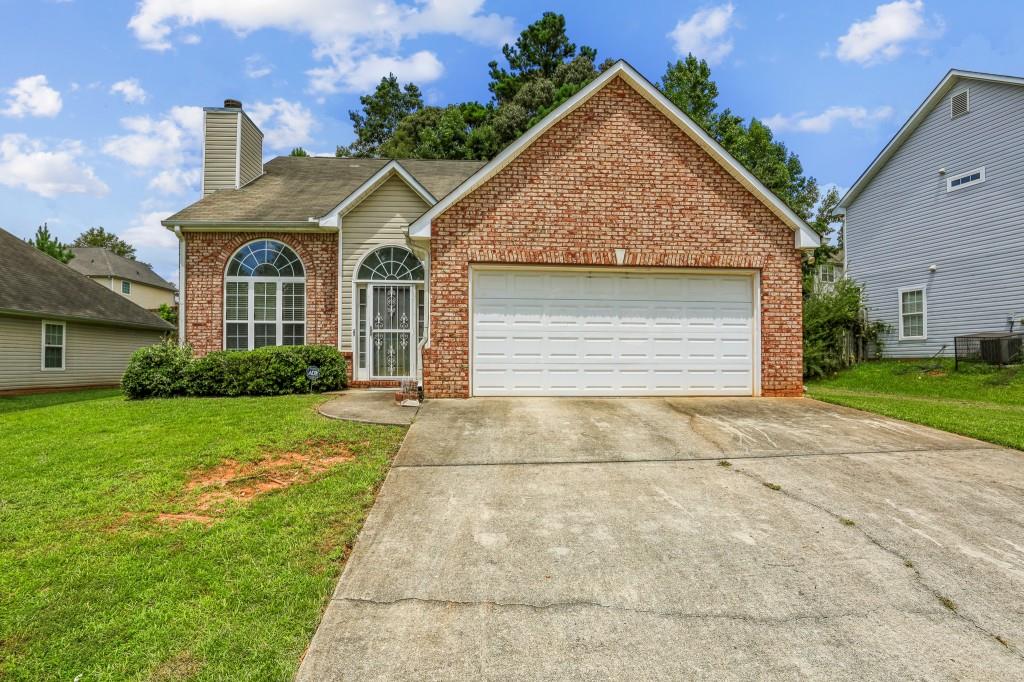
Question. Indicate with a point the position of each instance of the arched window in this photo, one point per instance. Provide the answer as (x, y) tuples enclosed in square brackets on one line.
[(264, 297), (391, 263)]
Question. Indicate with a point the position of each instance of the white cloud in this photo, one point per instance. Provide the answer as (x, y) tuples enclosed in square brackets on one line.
[(257, 67), (146, 231), (176, 180), (356, 40), (858, 117), (191, 39), (885, 35), (130, 89), (32, 96), (284, 124), (49, 172), (705, 33), (158, 142)]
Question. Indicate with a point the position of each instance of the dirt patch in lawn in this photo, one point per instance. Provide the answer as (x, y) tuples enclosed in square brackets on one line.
[(208, 493)]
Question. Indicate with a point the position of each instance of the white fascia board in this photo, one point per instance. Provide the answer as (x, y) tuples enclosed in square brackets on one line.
[(947, 83), (421, 227), (333, 217)]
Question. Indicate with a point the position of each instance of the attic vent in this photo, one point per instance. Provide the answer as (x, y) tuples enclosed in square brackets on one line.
[(960, 104)]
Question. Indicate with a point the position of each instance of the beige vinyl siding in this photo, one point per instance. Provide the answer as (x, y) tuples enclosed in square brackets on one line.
[(220, 150), (144, 295), (252, 151), (382, 218), (93, 354)]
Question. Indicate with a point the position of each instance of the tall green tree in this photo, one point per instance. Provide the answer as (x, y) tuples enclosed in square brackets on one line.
[(540, 49), (50, 245), (382, 111), (97, 236), (688, 84), (298, 151)]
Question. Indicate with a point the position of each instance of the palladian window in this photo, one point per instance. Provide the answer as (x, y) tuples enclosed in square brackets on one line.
[(264, 297)]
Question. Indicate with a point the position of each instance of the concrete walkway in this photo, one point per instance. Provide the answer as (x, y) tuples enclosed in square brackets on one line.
[(373, 407), (608, 539)]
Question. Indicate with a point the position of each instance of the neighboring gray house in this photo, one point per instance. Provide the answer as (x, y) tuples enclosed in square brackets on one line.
[(60, 329), (935, 225), (134, 280)]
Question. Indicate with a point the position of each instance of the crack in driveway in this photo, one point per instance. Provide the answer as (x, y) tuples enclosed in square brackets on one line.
[(893, 552), (680, 615)]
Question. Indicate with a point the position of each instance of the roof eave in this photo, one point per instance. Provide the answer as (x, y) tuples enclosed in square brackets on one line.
[(160, 325), (309, 225)]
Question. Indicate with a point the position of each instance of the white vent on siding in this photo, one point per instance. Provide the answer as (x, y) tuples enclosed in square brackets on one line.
[(960, 104)]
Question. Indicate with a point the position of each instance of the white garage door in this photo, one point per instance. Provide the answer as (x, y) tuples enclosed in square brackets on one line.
[(602, 333)]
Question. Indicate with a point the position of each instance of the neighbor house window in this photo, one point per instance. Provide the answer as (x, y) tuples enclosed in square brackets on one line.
[(974, 177), (264, 297), (126, 287), (827, 273), (913, 314), (53, 345)]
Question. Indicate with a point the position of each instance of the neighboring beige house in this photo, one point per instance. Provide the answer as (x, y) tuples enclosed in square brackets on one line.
[(59, 329), (134, 280)]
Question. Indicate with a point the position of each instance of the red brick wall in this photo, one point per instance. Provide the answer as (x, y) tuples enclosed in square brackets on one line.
[(206, 259), (614, 174)]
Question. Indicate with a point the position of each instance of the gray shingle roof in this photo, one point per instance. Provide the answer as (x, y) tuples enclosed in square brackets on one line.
[(94, 261), (33, 283), (294, 189)]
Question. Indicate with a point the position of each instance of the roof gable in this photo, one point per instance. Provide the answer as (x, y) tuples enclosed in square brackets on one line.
[(805, 236), (948, 82), (377, 180), (32, 283), (94, 261)]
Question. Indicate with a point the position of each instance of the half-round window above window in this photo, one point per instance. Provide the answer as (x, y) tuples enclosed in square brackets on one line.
[(391, 263), (265, 258)]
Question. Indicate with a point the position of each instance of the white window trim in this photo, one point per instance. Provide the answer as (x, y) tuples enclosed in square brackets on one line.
[(924, 313), (63, 346), (972, 183), (129, 292), (831, 268), (251, 320)]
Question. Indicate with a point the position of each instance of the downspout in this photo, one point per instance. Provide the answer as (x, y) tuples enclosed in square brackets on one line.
[(181, 285), (423, 253)]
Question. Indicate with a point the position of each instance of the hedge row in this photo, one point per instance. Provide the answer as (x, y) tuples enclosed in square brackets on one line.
[(167, 369)]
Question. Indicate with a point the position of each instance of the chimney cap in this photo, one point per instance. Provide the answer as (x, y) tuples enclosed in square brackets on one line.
[(232, 104)]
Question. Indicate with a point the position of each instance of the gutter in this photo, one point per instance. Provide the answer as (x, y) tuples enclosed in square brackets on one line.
[(181, 285), (37, 314), (234, 226)]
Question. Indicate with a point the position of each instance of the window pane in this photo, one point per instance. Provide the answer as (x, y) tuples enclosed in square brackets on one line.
[(54, 335), (293, 334), (264, 335), (913, 325), (293, 301), (913, 302), (237, 301), (238, 336), (264, 302), (53, 357)]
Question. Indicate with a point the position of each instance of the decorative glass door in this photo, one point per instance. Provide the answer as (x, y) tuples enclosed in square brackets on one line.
[(391, 330)]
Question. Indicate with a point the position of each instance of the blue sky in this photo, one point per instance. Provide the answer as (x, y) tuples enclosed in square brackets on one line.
[(99, 102)]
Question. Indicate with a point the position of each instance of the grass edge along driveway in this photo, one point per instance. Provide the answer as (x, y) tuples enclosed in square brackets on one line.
[(978, 401), (95, 582)]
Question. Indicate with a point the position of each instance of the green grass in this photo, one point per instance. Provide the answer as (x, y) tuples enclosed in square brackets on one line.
[(92, 584), (982, 402)]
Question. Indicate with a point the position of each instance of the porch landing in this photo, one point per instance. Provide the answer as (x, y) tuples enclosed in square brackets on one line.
[(374, 407)]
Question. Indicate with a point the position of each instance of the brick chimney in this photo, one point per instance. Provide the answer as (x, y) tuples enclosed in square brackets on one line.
[(232, 148)]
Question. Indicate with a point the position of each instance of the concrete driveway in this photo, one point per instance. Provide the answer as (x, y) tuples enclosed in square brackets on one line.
[(682, 538)]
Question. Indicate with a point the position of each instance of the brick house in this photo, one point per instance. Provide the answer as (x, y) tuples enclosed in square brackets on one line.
[(614, 249)]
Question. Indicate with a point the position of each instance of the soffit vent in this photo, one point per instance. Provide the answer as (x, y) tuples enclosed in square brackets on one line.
[(960, 104)]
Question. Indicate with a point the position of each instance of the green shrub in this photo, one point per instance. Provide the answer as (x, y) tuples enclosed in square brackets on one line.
[(273, 370), (157, 371), (833, 319)]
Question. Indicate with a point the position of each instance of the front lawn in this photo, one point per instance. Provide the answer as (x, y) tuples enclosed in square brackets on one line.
[(174, 539), (979, 401)]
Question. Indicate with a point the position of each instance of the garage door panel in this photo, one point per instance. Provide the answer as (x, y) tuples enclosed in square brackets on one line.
[(602, 333)]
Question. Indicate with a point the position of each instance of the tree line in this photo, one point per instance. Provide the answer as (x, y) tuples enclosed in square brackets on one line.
[(46, 242)]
